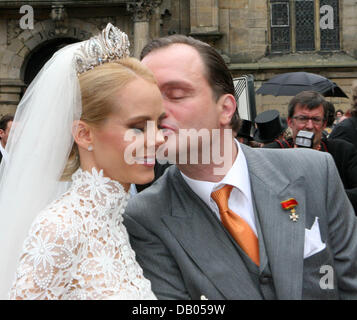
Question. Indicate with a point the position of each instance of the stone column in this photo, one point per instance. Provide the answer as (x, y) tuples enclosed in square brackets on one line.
[(3, 32), (142, 11)]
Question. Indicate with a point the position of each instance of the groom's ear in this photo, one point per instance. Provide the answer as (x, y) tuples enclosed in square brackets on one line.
[(82, 134), (227, 106)]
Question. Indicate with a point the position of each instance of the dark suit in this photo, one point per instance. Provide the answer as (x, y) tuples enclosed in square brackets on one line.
[(345, 156), (346, 130), (186, 252)]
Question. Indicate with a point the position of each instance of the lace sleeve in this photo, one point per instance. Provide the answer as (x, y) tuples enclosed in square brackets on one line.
[(44, 270)]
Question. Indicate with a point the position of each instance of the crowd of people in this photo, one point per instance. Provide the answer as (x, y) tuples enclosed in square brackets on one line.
[(310, 113), (81, 220)]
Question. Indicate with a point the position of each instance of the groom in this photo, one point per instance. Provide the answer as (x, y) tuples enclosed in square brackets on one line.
[(275, 224)]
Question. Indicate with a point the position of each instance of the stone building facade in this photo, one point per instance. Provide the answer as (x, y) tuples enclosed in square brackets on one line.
[(258, 37)]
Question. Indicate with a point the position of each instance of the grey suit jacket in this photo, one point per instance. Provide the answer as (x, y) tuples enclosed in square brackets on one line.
[(186, 252)]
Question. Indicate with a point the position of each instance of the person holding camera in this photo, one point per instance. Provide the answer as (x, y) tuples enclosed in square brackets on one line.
[(307, 118)]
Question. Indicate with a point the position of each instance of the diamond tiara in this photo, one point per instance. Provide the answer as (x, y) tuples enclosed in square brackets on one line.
[(112, 44)]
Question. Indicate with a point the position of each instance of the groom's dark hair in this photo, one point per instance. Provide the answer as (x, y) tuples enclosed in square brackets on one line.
[(217, 72)]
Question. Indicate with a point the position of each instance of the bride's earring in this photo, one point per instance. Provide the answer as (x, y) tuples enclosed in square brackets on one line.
[(90, 148)]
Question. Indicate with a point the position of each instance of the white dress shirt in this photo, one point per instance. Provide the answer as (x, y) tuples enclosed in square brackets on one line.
[(133, 191), (240, 200)]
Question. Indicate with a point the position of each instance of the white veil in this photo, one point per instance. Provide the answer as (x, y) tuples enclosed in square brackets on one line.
[(39, 145)]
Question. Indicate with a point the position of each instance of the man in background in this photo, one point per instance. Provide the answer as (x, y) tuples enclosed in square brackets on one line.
[(347, 129), (5, 127), (308, 111)]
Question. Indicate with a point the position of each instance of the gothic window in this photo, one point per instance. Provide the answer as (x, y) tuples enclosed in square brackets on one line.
[(304, 25), (280, 26)]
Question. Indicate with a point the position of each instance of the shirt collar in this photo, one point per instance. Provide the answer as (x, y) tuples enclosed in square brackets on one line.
[(237, 176)]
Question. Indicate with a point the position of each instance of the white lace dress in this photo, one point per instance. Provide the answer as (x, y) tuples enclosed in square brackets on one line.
[(78, 247)]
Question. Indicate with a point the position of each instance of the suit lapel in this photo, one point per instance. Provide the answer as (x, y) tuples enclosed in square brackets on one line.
[(205, 240), (262, 250), (284, 238)]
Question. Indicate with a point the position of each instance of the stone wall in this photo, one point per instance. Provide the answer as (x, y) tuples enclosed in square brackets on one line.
[(349, 26), (16, 44), (239, 29), (244, 26), (19, 45), (343, 77)]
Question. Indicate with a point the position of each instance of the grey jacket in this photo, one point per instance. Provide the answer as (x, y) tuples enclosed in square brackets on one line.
[(186, 252)]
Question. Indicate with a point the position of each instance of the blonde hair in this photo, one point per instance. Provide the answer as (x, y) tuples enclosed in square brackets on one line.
[(98, 87)]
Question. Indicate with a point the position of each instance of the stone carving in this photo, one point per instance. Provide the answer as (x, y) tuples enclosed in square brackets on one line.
[(58, 15), (142, 9), (13, 29), (102, 22)]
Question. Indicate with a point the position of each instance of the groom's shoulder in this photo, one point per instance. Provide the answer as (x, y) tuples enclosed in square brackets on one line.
[(288, 159), (155, 197), (284, 152)]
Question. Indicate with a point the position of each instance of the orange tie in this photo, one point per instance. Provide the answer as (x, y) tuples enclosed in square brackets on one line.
[(237, 226)]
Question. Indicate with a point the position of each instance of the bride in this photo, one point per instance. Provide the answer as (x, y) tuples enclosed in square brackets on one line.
[(65, 185)]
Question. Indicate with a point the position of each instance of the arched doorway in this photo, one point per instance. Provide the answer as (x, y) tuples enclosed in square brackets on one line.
[(40, 55)]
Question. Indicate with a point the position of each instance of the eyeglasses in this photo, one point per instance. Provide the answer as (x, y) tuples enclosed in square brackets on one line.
[(305, 119)]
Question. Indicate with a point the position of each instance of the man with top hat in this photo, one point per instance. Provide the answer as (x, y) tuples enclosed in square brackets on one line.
[(244, 134), (270, 127)]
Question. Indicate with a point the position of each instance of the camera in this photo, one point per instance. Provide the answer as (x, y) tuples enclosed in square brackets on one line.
[(305, 139)]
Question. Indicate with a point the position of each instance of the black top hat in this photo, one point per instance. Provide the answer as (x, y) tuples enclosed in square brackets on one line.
[(245, 129), (269, 126)]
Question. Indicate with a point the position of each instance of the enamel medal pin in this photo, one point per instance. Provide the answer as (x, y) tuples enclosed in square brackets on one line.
[(290, 204)]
